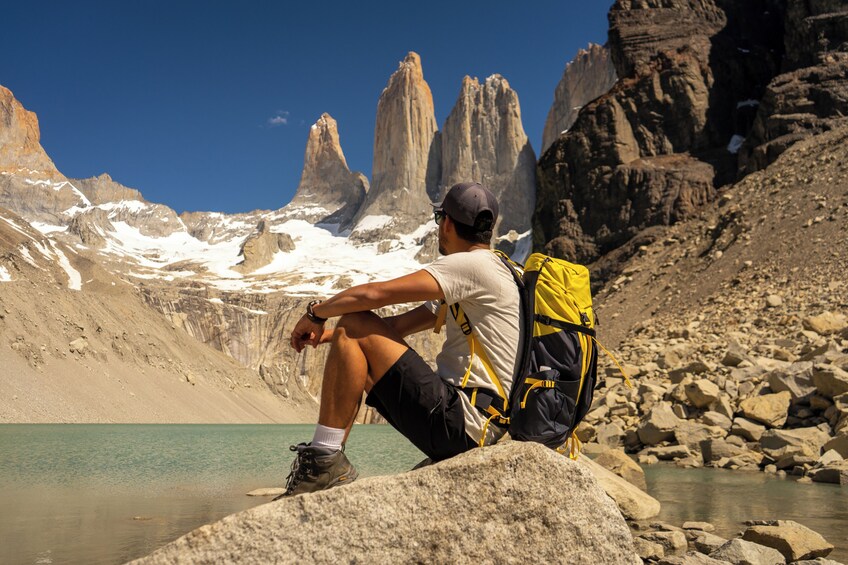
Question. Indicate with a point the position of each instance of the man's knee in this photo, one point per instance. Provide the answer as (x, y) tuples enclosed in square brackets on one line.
[(360, 324)]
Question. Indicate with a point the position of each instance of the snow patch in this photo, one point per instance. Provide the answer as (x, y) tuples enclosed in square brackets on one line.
[(27, 256), (48, 228), (4, 275), (74, 278), (735, 144), (57, 186), (369, 223)]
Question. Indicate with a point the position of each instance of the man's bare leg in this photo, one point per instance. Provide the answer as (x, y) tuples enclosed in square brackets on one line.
[(364, 348)]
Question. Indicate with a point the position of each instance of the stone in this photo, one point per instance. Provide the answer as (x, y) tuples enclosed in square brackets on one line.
[(668, 452), (743, 552), (693, 368), (634, 503), (796, 379), (589, 75), (621, 464), (609, 435), (796, 463), (328, 192), (717, 419), (734, 355), (793, 540), (747, 429), (671, 541), (703, 526), (806, 442), (271, 491), (79, 346), (839, 443), (774, 301), (701, 393), (691, 558), (658, 425), (828, 457), (394, 528), (705, 542), (834, 473), (646, 549), (647, 459), (830, 380), (826, 323), (713, 450), (769, 409), (691, 434)]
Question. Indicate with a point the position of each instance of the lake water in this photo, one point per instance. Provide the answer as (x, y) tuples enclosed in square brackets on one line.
[(111, 493)]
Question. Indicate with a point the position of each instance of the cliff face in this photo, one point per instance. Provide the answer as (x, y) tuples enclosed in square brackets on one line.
[(102, 190), (29, 182), (811, 96), (20, 144), (328, 191), (652, 150), (483, 140), (589, 75), (405, 171)]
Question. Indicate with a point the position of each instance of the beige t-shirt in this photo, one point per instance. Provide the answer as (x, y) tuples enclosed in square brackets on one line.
[(485, 289)]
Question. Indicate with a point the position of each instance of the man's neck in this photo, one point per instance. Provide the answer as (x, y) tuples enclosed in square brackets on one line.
[(473, 247)]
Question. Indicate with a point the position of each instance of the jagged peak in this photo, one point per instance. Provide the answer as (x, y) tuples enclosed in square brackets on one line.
[(323, 139), (412, 60)]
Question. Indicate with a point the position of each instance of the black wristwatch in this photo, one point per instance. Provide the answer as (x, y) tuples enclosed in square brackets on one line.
[(310, 313)]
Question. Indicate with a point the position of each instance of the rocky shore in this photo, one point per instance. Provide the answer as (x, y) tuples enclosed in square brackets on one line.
[(780, 405)]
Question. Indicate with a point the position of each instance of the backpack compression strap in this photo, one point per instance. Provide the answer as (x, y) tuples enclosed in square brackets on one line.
[(494, 404)]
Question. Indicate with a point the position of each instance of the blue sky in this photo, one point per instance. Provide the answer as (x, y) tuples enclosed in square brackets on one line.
[(206, 105)]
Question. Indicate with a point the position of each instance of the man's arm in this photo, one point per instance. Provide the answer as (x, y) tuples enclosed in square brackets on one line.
[(419, 286), (413, 321)]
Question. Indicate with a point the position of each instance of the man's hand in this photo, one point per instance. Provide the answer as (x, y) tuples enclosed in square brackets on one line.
[(306, 332)]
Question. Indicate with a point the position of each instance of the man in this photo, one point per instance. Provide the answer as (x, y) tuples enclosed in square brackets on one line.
[(368, 353)]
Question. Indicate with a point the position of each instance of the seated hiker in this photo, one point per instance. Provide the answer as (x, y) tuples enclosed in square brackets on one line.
[(368, 353)]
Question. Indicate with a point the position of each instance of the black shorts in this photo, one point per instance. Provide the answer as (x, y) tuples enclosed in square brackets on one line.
[(423, 407)]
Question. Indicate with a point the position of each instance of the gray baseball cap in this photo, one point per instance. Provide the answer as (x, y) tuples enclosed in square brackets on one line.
[(464, 203)]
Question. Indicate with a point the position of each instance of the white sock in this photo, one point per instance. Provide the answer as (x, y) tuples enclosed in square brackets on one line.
[(328, 438)]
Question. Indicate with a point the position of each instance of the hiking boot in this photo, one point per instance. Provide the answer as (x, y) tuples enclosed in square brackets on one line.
[(317, 469)]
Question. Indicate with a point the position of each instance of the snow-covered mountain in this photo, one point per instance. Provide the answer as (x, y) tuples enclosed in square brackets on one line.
[(238, 282)]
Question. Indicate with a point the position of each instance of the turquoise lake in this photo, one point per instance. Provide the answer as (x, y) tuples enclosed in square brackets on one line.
[(112, 493)]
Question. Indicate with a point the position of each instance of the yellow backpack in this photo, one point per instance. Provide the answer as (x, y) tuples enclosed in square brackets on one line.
[(557, 367)]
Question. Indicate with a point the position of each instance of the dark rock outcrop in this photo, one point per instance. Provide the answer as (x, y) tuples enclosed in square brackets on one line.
[(654, 148), (811, 97), (328, 191), (589, 75), (259, 248)]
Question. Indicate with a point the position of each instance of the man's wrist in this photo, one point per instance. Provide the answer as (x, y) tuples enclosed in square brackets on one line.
[(310, 313)]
